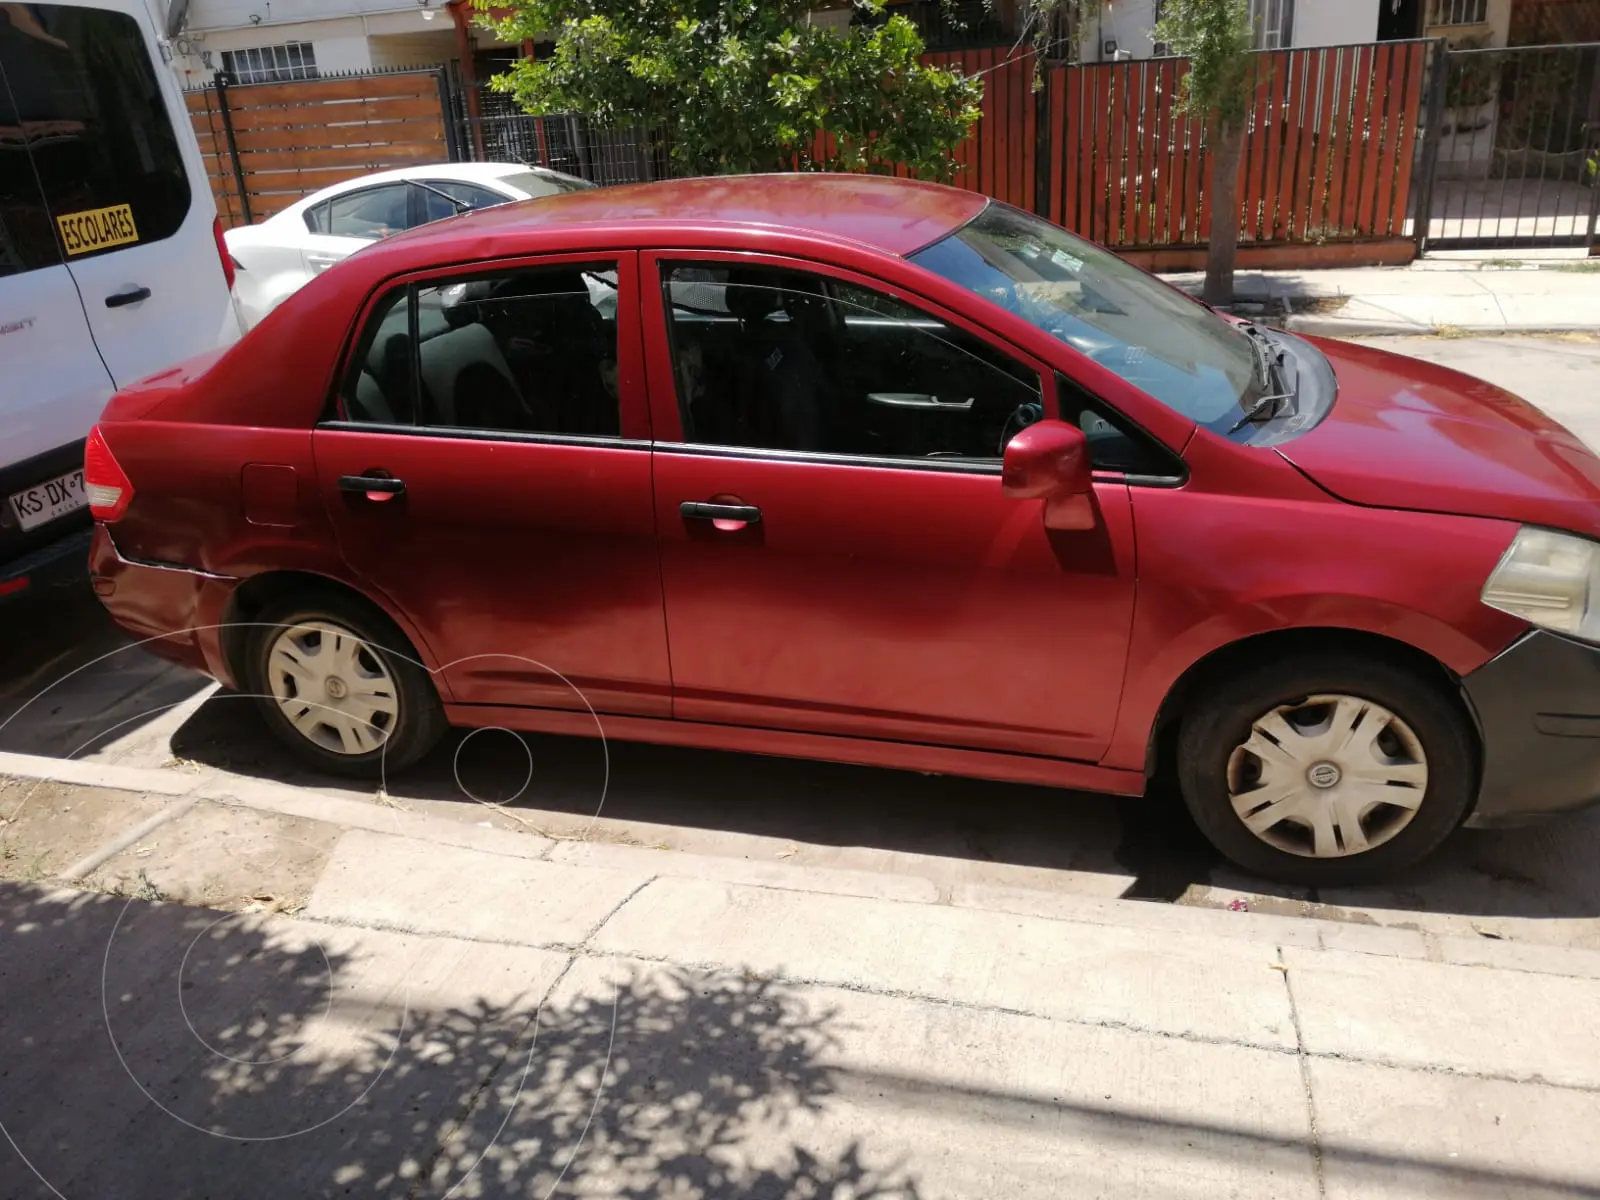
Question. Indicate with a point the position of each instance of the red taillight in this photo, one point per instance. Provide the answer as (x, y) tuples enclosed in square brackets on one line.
[(104, 481), (222, 251)]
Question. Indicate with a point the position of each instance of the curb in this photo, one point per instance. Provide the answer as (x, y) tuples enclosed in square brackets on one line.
[(1188, 922), (1347, 327), (1326, 325)]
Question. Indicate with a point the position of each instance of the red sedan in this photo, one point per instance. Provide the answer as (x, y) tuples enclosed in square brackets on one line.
[(874, 471)]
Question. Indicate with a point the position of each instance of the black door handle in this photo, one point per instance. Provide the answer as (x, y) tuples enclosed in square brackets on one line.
[(131, 296), (697, 510), (374, 487)]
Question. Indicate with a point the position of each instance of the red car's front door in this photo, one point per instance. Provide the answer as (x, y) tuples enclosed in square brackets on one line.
[(489, 474), (836, 554)]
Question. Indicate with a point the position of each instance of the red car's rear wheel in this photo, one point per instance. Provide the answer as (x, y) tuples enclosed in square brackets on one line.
[(338, 684)]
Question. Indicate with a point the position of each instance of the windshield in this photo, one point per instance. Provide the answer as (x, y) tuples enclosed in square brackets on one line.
[(1155, 338), (536, 183)]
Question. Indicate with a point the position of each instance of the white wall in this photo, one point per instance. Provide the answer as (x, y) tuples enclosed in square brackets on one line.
[(1316, 23), (412, 49), (232, 14), (339, 45), (1126, 22), (1335, 22)]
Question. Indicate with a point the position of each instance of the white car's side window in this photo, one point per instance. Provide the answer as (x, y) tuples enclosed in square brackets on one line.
[(372, 213)]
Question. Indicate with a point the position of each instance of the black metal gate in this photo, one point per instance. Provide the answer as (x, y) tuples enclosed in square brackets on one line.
[(1511, 148), (490, 127)]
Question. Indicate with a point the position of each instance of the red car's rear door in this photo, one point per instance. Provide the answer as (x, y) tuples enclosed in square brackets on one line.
[(488, 472), (859, 572)]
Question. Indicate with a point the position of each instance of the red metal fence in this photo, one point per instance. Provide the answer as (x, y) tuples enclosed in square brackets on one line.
[(1329, 151), (999, 158), (1328, 154)]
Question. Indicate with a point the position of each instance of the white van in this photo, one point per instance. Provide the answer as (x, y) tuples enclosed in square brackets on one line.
[(111, 258)]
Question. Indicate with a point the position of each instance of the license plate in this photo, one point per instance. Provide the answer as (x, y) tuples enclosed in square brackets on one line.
[(49, 500)]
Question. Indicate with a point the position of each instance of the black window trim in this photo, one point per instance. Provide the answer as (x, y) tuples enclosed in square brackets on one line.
[(954, 466), (1179, 474), (305, 216), (665, 260), (597, 440)]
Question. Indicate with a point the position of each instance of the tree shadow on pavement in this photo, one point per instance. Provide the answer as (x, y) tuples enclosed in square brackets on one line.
[(248, 1058), (274, 1058)]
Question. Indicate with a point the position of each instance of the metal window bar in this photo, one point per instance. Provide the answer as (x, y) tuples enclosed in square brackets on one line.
[(271, 64), (1273, 21), (1459, 12)]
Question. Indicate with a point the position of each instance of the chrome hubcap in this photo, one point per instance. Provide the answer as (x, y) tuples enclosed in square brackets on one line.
[(1328, 776), (331, 687)]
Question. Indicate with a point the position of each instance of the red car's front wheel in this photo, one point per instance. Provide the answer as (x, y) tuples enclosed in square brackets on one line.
[(1327, 770)]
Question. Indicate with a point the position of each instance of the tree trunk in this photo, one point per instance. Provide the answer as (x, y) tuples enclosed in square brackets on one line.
[(1224, 232)]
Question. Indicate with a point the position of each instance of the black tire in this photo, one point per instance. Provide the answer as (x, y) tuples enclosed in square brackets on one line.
[(1221, 720), (415, 728)]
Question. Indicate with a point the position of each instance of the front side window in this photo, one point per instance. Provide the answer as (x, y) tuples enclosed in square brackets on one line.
[(522, 352), (371, 213), (90, 112), (443, 198), (1135, 326), (788, 360)]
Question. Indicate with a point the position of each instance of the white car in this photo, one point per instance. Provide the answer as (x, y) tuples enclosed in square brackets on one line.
[(111, 259), (275, 258)]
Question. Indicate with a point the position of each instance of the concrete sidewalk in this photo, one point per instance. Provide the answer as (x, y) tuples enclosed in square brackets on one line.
[(463, 1011), (1429, 296)]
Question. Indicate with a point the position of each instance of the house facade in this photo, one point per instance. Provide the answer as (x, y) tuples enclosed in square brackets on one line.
[(273, 41), (276, 40)]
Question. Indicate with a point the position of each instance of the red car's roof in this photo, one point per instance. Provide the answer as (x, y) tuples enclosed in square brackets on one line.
[(896, 216)]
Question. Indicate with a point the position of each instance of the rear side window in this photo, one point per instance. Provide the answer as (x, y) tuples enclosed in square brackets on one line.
[(529, 351), (102, 143)]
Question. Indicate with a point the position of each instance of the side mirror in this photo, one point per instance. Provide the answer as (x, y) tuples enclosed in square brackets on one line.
[(1049, 461)]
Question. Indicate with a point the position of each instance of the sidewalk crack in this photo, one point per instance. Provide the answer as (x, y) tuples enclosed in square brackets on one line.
[(583, 943), (1305, 1079)]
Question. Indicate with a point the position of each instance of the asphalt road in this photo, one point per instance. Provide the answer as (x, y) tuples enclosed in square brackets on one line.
[(111, 702)]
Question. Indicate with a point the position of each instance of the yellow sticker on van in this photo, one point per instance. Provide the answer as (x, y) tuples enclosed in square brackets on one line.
[(97, 229)]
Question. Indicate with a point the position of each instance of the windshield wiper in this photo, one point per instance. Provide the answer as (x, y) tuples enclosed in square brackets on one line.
[(1258, 409), (1269, 363)]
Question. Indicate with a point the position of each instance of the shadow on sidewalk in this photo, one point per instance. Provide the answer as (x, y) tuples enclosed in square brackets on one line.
[(249, 1060), (1543, 871)]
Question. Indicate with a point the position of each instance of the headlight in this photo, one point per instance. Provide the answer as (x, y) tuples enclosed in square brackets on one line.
[(1551, 580)]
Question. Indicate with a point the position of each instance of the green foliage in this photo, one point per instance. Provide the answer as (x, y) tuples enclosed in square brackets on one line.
[(743, 85), (1215, 36)]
